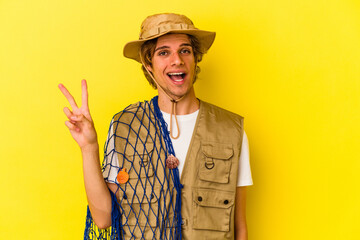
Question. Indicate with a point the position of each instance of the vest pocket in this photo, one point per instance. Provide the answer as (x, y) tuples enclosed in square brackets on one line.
[(139, 208), (215, 164), (143, 214), (138, 163), (212, 209)]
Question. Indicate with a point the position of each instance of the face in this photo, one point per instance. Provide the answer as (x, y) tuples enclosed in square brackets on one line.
[(173, 65)]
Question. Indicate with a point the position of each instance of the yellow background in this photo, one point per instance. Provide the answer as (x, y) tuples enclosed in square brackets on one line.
[(291, 68)]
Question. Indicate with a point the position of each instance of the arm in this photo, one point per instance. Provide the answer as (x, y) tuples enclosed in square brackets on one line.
[(240, 214), (82, 129)]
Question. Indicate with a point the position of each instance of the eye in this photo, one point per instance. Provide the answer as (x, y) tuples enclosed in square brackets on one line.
[(162, 53), (185, 51)]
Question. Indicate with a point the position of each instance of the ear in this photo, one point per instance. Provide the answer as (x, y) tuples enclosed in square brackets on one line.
[(149, 68)]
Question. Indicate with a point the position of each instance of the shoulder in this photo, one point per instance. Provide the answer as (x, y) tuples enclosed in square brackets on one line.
[(133, 110), (221, 113)]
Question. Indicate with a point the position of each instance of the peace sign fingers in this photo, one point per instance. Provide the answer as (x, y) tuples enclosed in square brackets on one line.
[(69, 97), (79, 121), (84, 99)]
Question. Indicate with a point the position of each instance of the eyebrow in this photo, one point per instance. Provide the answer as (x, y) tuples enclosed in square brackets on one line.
[(182, 45)]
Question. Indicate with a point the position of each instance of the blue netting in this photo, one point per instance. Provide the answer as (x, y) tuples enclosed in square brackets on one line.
[(148, 206), (92, 232)]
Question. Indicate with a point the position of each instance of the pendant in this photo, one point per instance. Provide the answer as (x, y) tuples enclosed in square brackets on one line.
[(172, 162), (122, 176)]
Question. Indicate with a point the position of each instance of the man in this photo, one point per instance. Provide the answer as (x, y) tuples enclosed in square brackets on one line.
[(145, 154)]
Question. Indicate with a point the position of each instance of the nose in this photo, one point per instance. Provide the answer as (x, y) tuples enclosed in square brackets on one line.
[(176, 59)]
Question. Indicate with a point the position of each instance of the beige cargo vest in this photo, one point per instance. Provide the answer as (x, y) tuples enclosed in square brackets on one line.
[(210, 175)]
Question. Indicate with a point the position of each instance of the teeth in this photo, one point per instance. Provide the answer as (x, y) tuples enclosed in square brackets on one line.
[(180, 73)]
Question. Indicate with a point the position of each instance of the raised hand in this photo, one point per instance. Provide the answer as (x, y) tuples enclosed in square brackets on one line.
[(80, 123)]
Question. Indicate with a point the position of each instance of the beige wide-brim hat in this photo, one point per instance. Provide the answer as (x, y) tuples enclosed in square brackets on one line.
[(160, 24)]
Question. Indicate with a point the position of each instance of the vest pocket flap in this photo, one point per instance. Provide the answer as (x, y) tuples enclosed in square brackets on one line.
[(138, 149), (217, 150), (213, 198), (138, 197)]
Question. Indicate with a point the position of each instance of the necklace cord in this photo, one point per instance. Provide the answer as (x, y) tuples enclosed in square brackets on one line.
[(173, 101), (173, 109)]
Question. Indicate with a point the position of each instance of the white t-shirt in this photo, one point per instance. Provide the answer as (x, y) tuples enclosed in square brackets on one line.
[(181, 146)]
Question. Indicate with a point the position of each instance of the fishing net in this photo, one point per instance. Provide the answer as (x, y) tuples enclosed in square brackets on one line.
[(148, 205)]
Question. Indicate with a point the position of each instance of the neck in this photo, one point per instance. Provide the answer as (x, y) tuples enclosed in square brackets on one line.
[(188, 104)]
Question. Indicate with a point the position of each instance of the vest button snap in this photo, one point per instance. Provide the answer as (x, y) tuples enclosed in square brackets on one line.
[(199, 199), (226, 202), (152, 196), (124, 197)]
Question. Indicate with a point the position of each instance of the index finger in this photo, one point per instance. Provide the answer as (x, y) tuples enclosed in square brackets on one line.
[(84, 94), (68, 96)]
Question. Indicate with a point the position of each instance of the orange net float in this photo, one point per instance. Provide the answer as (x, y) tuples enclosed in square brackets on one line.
[(122, 176)]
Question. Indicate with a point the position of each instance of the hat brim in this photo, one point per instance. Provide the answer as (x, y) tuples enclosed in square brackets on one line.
[(206, 39)]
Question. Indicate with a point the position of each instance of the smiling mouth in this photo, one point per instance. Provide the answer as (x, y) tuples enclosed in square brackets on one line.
[(177, 77)]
